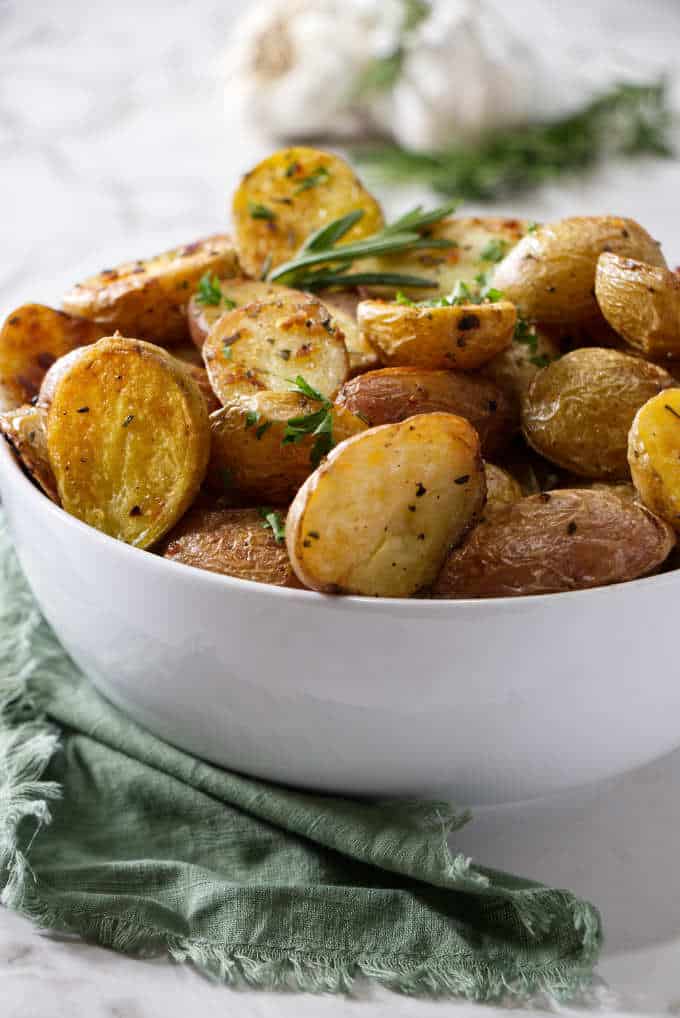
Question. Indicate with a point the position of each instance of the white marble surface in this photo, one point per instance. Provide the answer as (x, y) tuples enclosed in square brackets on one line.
[(114, 142)]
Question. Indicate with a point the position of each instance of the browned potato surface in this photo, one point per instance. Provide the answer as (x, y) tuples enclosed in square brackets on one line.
[(148, 298), (578, 410), (393, 394), (249, 455), (550, 274), (362, 355), (32, 338), (502, 489), (641, 302), (24, 429), (459, 337), (128, 439), (266, 344), (514, 368), (288, 196), (234, 542), (235, 294), (556, 541), (200, 377), (654, 455), (379, 514)]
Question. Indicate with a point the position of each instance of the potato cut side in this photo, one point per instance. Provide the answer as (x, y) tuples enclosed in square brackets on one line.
[(288, 196), (533, 347), (502, 489), (25, 430), (462, 337), (264, 345), (654, 455), (641, 302), (362, 355), (148, 298), (128, 439), (378, 517), (32, 338), (235, 293), (251, 455)]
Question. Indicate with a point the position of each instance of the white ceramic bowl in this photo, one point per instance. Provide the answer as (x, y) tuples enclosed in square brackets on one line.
[(478, 701)]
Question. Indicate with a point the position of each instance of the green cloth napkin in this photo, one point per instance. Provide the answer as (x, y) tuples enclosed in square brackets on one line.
[(109, 833)]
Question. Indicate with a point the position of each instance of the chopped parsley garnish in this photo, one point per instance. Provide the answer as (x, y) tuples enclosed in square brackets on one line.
[(272, 520), (252, 417), (258, 211), (463, 293), (226, 351), (494, 251), (319, 423), (533, 226), (526, 334), (209, 291), (401, 298), (320, 176)]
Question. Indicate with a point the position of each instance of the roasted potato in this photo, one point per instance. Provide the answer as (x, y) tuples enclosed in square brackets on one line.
[(362, 355), (654, 455), (393, 394), (550, 274), (25, 430), (641, 302), (148, 298), (32, 338), (556, 541), (461, 337), (502, 489), (128, 439), (577, 411), (379, 514), (236, 293), (513, 369), (252, 451), (200, 377), (266, 344), (287, 197), (235, 542)]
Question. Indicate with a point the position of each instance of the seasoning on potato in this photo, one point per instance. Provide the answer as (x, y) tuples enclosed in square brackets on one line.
[(641, 302), (578, 410), (654, 455), (214, 297), (379, 514), (148, 298), (25, 431), (343, 308), (502, 489), (550, 273), (128, 439), (390, 395), (265, 344), (556, 541)]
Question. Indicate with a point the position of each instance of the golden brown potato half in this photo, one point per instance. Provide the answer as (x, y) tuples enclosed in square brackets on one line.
[(513, 369), (578, 411), (249, 455), (641, 302), (128, 439), (553, 542), (478, 244), (550, 274), (148, 298), (461, 337), (266, 344), (379, 514), (393, 394), (200, 377), (236, 293), (502, 489), (234, 542), (362, 355), (25, 431), (32, 338), (654, 455), (288, 196)]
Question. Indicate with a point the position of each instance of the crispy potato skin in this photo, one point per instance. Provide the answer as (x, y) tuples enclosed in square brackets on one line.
[(234, 542), (32, 338), (654, 455), (379, 514), (235, 293), (578, 410), (148, 298), (25, 430), (515, 368), (641, 302), (248, 454), (128, 439), (461, 337), (200, 377), (390, 395), (502, 489), (550, 274), (553, 542), (264, 345), (288, 196)]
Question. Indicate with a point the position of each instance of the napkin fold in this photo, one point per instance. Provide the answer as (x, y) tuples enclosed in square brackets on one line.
[(109, 833)]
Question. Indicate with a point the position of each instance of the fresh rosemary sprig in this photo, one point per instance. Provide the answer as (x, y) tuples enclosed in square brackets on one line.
[(629, 120)]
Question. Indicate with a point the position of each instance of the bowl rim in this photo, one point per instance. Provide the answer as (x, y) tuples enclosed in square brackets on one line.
[(188, 573)]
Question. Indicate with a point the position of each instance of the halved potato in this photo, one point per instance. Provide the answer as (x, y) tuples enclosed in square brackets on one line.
[(266, 344), (249, 455), (550, 274), (32, 338), (642, 302), (556, 541), (393, 394), (148, 298), (501, 489), (514, 368), (457, 336), (288, 196), (236, 293), (128, 439), (654, 455), (343, 308), (200, 377), (378, 516), (25, 430), (234, 542)]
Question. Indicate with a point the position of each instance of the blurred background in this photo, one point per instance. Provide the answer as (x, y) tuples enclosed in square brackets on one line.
[(124, 127)]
